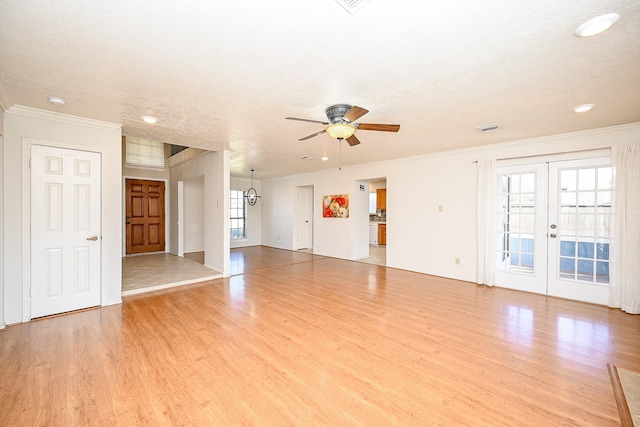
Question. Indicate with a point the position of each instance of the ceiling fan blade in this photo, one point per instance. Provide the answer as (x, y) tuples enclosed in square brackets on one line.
[(379, 127), (306, 120), (312, 135), (352, 140), (355, 113)]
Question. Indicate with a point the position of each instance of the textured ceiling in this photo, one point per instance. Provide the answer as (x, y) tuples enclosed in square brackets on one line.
[(226, 74)]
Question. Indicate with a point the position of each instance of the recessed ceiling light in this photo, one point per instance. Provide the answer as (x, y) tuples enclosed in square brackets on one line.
[(596, 25), (56, 100), (150, 120), (325, 158), (583, 108)]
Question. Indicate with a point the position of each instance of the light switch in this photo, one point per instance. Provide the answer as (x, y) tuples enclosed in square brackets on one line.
[(440, 208)]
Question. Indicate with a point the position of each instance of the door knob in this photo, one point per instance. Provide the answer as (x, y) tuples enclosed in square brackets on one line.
[(552, 235), (92, 238), (553, 226)]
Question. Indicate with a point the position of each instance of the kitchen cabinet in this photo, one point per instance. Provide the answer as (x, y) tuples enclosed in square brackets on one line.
[(382, 234), (381, 198)]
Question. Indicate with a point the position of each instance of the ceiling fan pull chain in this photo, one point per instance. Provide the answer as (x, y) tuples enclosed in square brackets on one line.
[(340, 154)]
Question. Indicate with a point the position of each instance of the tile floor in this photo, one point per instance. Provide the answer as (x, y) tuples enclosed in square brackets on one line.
[(377, 255), (145, 273)]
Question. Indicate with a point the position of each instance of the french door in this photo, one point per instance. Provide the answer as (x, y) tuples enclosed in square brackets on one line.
[(553, 232)]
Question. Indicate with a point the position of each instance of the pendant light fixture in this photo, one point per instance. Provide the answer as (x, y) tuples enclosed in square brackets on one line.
[(252, 194)]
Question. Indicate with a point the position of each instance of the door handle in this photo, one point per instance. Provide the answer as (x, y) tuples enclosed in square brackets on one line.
[(92, 238), (552, 235)]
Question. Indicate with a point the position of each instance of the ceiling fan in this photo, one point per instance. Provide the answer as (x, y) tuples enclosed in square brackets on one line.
[(341, 123)]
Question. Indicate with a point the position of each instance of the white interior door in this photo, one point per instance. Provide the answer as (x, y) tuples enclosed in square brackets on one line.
[(65, 230), (553, 228), (304, 210)]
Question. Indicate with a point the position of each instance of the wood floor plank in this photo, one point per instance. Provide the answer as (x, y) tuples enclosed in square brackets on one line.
[(305, 340)]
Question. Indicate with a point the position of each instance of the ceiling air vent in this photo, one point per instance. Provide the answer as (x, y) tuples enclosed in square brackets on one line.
[(306, 158), (488, 128), (352, 6)]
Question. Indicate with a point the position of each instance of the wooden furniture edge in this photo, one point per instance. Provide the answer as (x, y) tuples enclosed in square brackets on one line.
[(621, 401)]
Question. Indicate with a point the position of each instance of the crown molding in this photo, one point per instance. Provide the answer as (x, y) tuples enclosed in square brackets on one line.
[(36, 113), (5, 99)]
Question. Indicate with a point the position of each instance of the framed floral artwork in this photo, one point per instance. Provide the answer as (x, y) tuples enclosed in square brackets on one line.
[(336, 206)]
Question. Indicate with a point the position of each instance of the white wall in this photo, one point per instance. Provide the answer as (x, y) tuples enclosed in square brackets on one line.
[(419, 236), (194, 214), (21, 125), (254, 214), (214, 166), (2, 323)]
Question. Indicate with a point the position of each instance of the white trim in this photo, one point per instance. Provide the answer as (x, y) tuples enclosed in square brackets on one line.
[(63, 118), (5, 99), (26, 223), (180, 221)]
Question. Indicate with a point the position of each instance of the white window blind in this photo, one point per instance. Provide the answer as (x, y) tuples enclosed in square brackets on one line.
[(144, 153)]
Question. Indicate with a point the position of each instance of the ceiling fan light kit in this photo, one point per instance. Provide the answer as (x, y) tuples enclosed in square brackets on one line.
[(341, 123), (340, 130)]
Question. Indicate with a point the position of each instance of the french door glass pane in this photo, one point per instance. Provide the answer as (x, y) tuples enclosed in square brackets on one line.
[(516, 222), (584, 232)]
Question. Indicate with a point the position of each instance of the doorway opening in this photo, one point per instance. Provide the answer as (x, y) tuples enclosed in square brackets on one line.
[(377, 219)]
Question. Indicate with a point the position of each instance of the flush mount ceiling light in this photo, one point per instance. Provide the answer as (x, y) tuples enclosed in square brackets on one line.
[(583, 108), (149, 119), (325, 158), (340, 130), (596, 25), (56, 100)]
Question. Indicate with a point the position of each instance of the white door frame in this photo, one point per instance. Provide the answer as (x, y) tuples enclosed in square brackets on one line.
[(180, 222), (26, 223)]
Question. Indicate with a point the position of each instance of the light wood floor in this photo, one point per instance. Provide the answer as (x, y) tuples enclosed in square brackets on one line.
[(320, 341)]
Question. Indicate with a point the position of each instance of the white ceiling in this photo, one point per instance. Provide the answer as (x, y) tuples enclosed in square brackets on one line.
[(226, 74)]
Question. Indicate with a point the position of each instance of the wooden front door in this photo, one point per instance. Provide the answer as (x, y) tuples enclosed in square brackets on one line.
[(144, 216)]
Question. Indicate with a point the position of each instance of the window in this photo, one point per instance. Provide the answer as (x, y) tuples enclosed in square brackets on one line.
[(238, 215), (144, 153)]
